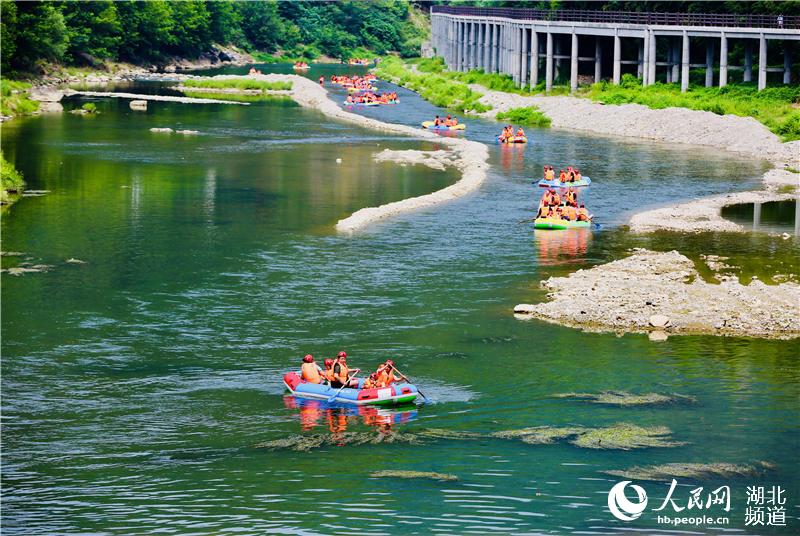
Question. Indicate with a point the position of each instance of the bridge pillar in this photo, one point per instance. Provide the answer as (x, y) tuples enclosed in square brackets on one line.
[(676, 63), (787, 62), (495, 32), (573, 63), (470, 45), (617, 59), (523, 65), (723, 60), (515, 54), (598, 58), (710, 49), (486, 35), (685, 63), (534, 58), (762, 62), (457, 44), (640, 62), (748, 62), (651, 57), (646, 58), (548, 64)]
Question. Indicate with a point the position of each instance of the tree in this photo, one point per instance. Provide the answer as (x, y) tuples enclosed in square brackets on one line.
[(93, 28), (41, 34), (148, 29), (191, 28), (8, 33), (261, 24)]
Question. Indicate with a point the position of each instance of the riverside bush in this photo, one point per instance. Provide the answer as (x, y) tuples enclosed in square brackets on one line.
[(439, 89), (530, 116), (15, 99)]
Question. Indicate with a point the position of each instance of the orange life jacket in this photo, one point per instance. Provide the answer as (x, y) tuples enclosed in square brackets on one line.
[(562, 177), (555, 199), (578, 176), (344, 372), (310, 373)]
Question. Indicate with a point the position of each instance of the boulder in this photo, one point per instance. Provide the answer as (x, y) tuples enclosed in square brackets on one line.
[(224, 56), (524, 308), (157, 129), (659, 321), (138, 105), (658, 336)]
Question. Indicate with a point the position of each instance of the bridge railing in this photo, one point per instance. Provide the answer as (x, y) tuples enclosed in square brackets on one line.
[(628, 17)]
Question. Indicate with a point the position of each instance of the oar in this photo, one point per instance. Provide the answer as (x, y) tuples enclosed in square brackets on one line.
[(408, 380), (332, 398)]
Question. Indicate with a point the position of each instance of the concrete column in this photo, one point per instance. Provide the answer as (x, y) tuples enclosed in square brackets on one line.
[(470, 44), (487, 35), (748, 62), (762, 62), (646, 58), (534, 58), (523, 64), (723, 60), (573, 63), (676, 63), (756, 215), (598, 58), (651, 75), (617, 59), (710, 63), (640, 61), (495, 50), (685, 63), (458, 47), (787, 62), (548, 64), (669, 61), (515, 54)]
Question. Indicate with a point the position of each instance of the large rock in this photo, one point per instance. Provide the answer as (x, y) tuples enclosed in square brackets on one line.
[(140, 105), (659, 321)]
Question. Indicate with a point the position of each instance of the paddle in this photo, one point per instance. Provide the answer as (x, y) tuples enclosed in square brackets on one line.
[(333, 397), (408, 380)]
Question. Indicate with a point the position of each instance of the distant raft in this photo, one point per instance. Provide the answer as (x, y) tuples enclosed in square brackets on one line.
[(555, 183), (558, 224), (515, 139), (430, 126), (371, 103), (396, 393)]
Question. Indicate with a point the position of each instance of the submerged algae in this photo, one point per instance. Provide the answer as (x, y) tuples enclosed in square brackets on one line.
[(699, 471), (623, 398), (624, 436), (414, 474)]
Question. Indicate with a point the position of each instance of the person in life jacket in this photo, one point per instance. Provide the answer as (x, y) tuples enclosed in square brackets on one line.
[(520, 133), (309, 371), (562, 176), (572, 197), (321, 80), (549, 173), (328, 372), (372, 382), (437, 121), (578, 175), (386, 373), (570, 213), (583, 214), (341, 373), (555, 199)]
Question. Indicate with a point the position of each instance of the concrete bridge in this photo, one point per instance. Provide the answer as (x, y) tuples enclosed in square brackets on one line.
[(515, 41)]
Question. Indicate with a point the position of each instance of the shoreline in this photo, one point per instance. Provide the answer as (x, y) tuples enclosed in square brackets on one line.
[(668, 298), (469, 157)]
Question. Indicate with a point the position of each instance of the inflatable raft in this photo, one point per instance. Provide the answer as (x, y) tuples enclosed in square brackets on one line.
[(515, 139), (373, 103), (397, 393), (553, 223), (351, 89), (430, 126), (555, 183)]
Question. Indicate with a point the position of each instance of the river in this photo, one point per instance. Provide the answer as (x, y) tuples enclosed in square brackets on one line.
[(137, 386)]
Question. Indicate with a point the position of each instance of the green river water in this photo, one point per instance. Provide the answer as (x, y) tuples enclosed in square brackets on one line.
[(137, 386)]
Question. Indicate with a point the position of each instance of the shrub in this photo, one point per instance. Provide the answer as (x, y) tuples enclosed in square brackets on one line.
[(89, 107), (237, 83), (530, 116)]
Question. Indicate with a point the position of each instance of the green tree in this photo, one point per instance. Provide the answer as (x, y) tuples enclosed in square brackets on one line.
[(148, 29), (93, 28), (41, 34), (191, 28), (226, 22), (8, 33), (261, 24)]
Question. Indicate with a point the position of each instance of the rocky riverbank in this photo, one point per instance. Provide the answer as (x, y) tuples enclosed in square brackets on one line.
[(663, 293)]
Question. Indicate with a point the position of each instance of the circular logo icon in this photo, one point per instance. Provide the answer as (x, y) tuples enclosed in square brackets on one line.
[(619, 504)]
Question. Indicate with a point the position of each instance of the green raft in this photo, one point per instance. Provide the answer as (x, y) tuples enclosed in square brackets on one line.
[(556, 224)]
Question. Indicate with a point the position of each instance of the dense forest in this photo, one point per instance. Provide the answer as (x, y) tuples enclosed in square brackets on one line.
[(77, 32)]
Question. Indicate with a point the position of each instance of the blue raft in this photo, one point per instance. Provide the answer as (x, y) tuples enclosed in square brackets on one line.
[(397, 393), (555, 183)]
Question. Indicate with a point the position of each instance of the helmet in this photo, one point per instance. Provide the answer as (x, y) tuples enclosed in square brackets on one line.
[(342, 354), (328, 362), (308, 358)]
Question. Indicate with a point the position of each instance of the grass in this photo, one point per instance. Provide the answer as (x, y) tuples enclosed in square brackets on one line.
[(772, 106), (15, 99), (89, 107), (530, 116), (278, 99), (438, 89), (10, 180), (239, 83)]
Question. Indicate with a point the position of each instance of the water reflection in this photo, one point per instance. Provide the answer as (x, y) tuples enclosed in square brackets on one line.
[(511, 156), (772, 216), (562, 247), (338, 417)]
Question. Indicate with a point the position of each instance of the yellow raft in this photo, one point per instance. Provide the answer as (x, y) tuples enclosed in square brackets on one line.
[(429, 125)]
